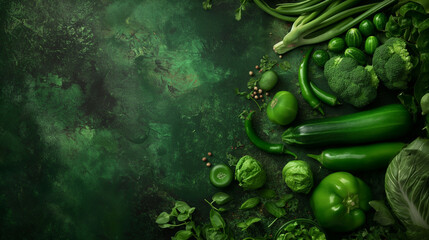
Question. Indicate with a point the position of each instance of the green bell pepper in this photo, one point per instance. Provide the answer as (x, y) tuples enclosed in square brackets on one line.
[(339, 202)]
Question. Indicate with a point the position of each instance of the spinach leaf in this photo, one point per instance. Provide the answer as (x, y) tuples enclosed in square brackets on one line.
[(274, 210), (250, 203), (216, 219), (221, 198)]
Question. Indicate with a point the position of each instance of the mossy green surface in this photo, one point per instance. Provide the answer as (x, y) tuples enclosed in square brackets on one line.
[(107, 108)]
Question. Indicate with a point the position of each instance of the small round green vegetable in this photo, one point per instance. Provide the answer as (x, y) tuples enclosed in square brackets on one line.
[(221, 175), (249, 173), (353, 38), (356, 54), (380, 21), (320, 57), (268, 80), (337, 45), (371, 43), (283, 108), (367, 28), (298, 176)]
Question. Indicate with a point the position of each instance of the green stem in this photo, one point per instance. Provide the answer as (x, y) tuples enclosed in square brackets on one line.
[(211, 205), (303, 10), (275, 220), (262, 5), (298, 4)]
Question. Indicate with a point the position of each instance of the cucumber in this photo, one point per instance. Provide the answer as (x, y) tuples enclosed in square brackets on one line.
[(388, 122), (366, 27), (353, 38), (320, 57), (380, 21), (337, 45), (371, 43), (356, 54)]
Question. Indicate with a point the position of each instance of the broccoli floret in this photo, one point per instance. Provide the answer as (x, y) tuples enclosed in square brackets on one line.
[(351, 82), (393, 64)]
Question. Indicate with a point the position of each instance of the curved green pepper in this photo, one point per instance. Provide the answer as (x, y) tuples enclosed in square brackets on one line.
[(339, 202)]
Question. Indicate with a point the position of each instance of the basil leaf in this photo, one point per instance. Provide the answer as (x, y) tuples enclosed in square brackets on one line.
[(274, 210), (183, 235), (382, 213), (221, 198), (216, 219), (182, 206), (190, 225), (163, 218), (166, 225), (182, 217), (250, 203)]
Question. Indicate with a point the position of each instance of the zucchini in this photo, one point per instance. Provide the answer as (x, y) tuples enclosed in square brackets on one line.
[(371, 43), (388, 122), (356, 54), (336, 44), (353, 38)]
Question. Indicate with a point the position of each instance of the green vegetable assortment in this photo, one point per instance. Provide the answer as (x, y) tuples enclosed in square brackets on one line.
[(361, 47)]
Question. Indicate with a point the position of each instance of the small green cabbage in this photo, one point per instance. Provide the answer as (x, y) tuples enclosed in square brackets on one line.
[(424, 104), (249, 173), (298, 176)]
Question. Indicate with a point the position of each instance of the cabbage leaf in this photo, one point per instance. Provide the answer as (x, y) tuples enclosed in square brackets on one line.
[(407, 187)]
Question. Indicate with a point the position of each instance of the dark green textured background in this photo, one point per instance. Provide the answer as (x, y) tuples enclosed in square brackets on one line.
[(107, 108)]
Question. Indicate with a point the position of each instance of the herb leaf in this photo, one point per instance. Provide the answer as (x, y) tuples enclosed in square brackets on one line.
[(250, 203), (183, 235), (163, 218), (221, 198), (216, 219), (274, 210)]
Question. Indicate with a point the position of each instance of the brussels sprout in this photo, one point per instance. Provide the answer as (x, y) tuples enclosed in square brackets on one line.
[(249, 173), (298, 176)]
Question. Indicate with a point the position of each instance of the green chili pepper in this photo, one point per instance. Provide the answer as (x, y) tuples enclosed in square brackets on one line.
[(304, 84), (339, 202), (359, 158), (261, 144), (323, 96)]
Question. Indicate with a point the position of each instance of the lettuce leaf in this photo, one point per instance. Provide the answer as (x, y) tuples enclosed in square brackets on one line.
[(407, 187)]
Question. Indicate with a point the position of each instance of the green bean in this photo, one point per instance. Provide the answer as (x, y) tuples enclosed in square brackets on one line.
[(325, 97), (304, 84)]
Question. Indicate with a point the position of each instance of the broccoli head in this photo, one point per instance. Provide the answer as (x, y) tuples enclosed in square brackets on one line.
[(354, 84), (393, 64)]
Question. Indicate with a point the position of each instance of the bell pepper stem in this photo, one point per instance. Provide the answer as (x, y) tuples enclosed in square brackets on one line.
[(317, 157), (290, 153), (351, 202)]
